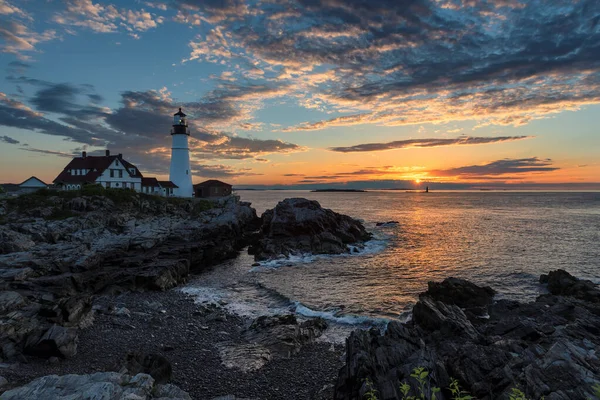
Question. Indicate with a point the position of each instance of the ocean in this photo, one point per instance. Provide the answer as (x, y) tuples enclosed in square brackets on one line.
[(501, 239)]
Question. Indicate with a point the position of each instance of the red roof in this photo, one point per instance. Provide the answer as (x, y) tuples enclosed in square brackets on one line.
[(212, 182), (96, 166), (150, 181), (167, 184)]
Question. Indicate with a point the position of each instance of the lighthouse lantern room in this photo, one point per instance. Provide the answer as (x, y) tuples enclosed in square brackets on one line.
[(181, 173)]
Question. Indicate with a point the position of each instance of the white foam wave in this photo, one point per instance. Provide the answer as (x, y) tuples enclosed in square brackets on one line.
[(373, 246), (334, 316)]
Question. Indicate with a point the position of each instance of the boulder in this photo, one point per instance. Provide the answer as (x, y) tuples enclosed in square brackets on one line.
[(560, 282), (58, 341), (154, 365), (283, 334), (546, 348), (101, 385), (298, 226)]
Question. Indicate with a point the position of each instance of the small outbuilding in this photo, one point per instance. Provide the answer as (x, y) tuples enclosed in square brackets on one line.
[(32, 184), (212, 188)]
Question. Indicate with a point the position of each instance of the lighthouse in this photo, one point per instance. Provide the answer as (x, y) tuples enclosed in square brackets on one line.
[(181, 173)]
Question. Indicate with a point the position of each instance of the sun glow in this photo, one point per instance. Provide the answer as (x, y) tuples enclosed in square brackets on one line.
[(417, 180)]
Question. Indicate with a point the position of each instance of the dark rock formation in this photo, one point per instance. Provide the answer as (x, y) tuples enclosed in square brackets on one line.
[(297, 226), (155, 365), (56, 251), (388, 223), (560, 282), (544, 348), (283, 334), (269, 337), (101, 385)]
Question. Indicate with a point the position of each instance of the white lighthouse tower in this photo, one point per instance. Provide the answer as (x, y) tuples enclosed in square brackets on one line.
[(180, 172)]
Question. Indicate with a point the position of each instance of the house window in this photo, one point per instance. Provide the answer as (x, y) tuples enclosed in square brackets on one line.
[(120, 173), (187, 172), (116, 162), (78, 187), (132, 170), (108, 184), (117, 184), (112, 173)]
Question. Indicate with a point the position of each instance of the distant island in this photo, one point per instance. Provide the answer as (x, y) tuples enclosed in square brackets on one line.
[(339, 190)]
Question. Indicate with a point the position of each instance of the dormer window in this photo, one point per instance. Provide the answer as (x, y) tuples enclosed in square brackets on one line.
[(132, 170)]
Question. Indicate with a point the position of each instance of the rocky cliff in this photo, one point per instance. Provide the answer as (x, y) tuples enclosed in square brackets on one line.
[(58, 249), (546, 348)]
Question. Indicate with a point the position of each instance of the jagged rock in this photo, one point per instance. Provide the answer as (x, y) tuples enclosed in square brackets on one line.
[(245, 357), (388, 223), (11, 241), (144, 243), (269, 337), (155, 365), (560, 282), (297, 226), (545, 348), (58, 341), (283, 334), (101, 385), (10, 301)]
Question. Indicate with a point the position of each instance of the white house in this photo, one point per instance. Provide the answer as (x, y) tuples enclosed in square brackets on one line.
[(32, 184), (108, 171)]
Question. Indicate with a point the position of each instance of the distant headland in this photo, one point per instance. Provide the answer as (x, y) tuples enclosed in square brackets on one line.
[(339, 190)]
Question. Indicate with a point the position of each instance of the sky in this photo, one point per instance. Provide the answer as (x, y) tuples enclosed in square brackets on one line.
[(308, 93)]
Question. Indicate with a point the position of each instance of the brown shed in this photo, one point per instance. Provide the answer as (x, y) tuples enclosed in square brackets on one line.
[(212, 188)]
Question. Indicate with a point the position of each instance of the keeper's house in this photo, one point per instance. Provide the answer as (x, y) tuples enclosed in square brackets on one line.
[(108, 170)]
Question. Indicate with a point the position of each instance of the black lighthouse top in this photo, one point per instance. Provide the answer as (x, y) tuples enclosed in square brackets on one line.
[(180, 126)]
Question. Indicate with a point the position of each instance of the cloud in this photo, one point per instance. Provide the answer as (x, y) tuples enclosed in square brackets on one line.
[(106, 18), (411, 62), (499, 167), (9, 140), (410, 143), (141, 126), (16, 38), (48, 152), (17, 67)]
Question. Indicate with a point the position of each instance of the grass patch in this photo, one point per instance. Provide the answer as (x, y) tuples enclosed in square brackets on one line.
[(59, 214)]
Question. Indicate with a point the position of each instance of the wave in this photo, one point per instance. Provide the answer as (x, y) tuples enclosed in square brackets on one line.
[(334, 316), (373, 246)]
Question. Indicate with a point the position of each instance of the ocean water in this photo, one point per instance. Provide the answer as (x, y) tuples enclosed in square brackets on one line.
[(501, 239)]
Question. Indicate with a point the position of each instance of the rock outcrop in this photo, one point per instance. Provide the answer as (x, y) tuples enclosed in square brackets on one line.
[(544, 348), (57, 250), (297, 226), (270, 337), (101, 385)]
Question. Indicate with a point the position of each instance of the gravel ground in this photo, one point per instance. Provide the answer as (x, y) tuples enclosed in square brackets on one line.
[(169, 323)]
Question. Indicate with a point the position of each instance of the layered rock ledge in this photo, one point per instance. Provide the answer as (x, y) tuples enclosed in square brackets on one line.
[(546, 348), (58, 249), (297, 226), (101, 385)]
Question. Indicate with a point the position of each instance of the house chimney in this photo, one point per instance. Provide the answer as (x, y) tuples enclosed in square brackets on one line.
[(107, 153), (83, 154), (120, 156)]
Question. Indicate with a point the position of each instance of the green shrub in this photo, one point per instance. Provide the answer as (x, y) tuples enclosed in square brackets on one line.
[(60, 214), (92, 190), (371, 393)]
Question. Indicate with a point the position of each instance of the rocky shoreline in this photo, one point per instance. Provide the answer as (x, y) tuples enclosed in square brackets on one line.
[(77, 275), (545, 349), (87, 286)]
